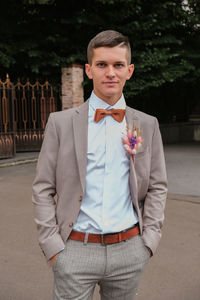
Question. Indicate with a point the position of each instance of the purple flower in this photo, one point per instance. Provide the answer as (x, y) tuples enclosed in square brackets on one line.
[(133, 142)]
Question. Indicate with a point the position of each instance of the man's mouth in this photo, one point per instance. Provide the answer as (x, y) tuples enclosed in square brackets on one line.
[(110, 83)]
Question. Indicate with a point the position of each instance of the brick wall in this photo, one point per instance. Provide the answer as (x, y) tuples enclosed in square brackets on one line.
[(72, 89)]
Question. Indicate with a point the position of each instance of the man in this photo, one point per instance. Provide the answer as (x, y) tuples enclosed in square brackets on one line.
[(110, 184)]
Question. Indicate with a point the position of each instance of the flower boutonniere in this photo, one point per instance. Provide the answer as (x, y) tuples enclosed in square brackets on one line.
[(132, 140)]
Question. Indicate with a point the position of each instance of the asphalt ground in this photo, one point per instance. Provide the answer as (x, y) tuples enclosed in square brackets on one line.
[(172, 274)]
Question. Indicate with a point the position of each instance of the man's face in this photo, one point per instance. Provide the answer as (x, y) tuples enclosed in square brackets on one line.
[(109, 71)]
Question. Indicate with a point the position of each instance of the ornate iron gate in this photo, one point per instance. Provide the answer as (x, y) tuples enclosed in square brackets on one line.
[(26, 108), (7, 141)]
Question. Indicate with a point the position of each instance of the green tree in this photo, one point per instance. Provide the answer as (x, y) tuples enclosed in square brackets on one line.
[(38, 37)]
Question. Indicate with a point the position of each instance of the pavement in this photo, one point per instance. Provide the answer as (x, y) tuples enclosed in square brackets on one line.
[(172, 274)]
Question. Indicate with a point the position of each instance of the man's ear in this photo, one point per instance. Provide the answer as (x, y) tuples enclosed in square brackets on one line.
[(130, 71), (88, 71)]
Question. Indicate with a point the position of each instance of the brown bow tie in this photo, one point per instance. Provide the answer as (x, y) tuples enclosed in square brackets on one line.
[(117, 114)]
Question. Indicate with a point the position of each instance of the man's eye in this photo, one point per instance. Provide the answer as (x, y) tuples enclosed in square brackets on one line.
[(119, 65), (101, 65)]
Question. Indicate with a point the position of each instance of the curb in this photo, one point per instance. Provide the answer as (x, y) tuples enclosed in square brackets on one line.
[(18, 162), (184, 198)]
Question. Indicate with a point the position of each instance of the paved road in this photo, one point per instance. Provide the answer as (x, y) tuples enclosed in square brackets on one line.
[(183, 168), (172, 274)]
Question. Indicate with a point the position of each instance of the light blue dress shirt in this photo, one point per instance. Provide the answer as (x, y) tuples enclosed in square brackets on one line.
[(106, 206)]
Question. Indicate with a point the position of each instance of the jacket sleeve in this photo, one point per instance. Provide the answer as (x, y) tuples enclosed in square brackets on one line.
[(44, 192), (154, 204)]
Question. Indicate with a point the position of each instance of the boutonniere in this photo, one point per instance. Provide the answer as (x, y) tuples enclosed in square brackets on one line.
[(132, 140)]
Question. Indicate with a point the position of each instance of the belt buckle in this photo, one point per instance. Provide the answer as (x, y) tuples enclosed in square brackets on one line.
[(102, 240)]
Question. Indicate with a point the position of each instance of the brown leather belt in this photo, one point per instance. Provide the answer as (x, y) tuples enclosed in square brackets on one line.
[(110, 238)]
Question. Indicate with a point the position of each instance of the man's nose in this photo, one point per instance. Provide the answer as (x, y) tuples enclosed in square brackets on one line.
[(110, 72)]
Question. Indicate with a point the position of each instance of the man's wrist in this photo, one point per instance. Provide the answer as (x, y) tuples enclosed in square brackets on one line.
[(52, 259)]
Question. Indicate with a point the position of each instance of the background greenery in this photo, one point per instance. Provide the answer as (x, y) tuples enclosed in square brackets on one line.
[(38, 37)]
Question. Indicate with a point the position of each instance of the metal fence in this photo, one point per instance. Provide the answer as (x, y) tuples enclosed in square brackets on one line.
[(24, 111)]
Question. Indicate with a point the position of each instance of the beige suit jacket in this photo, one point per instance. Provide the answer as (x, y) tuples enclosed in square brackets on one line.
[(59, 184)]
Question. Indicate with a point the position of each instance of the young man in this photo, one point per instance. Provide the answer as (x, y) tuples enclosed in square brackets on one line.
[(110, 184)]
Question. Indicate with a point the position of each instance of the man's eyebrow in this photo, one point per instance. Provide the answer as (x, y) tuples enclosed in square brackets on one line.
[(100, 61), (120, 62), (116, 62)]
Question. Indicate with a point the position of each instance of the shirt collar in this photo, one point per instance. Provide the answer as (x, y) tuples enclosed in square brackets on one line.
[(95, 102)]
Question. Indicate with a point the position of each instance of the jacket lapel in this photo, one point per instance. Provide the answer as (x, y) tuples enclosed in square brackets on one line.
[(130, 119), (80, 127)]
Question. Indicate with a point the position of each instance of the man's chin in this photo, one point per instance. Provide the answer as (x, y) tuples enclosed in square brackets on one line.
[(109, 94)]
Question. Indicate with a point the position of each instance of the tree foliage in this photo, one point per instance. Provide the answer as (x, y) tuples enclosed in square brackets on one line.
[(40, 36)]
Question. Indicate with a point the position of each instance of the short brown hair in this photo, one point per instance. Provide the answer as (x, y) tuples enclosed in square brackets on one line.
[(108, 38)]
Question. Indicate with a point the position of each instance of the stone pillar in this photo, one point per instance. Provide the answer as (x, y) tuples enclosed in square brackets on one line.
[(72, 89)]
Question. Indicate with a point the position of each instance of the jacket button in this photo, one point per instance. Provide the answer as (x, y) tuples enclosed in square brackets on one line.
[(71, 224), (80, 198)]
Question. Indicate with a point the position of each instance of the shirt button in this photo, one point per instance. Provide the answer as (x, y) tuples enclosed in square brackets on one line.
[(71, 224), (80, 198)]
